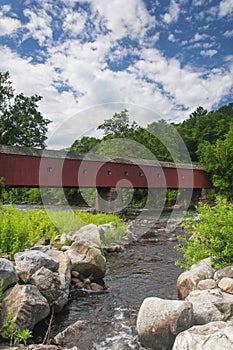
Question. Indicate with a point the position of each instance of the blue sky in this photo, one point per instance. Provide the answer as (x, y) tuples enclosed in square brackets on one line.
[(168, 56)]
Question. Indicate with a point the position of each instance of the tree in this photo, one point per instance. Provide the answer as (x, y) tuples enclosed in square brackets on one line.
[(84, 145), (218, 160), (21, 124), (118, 126)]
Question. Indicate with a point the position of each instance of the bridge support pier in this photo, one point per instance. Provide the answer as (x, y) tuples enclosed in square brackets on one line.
[(108, 199)]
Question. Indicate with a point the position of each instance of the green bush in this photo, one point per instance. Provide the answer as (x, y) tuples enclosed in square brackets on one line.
[(209, 235)]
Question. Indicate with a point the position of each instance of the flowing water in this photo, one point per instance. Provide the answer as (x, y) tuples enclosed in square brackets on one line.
[(144, 269)]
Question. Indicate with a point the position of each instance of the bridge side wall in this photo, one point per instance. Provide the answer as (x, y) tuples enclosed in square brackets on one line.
[(20, 170)]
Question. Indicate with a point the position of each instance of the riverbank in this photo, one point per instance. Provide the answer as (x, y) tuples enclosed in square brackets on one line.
[(140, 269)]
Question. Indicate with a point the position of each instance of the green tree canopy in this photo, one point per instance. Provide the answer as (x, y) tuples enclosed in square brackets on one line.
[(21, 124), (218, 160), (118, 126), (84, 145), (203, 126)]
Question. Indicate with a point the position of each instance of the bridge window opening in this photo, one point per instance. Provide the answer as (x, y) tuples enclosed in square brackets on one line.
[(84, 171), (49, 169), (109, 172), (126, 173), (158, 175), (141, 173), (182, 177)]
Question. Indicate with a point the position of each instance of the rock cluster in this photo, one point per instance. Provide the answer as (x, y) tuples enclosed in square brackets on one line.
[(42, 278), (203, 320)]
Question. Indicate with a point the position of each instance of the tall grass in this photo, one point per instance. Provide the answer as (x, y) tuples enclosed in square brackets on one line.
[(21, 229)]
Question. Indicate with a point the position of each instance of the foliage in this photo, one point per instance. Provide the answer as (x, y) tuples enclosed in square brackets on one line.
[(210, 235), (84, 145), (118, 126), (15, 335), (21, 229), (204, 126), (99, 219), (21, 123), (218, 160)]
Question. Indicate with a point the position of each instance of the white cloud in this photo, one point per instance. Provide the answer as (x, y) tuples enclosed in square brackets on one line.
[(198, 2), (8, 25), (74, 22), (208, 53), (225, 8), (125, 18), (173, 13), (171, 37), (75, 72), (38, 26), (199, 37), (228, 33)]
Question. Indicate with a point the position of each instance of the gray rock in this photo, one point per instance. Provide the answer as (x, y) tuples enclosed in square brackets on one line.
[(90, 233), (212, 336), (225, 272), (80, 334), (65, 237), (211, 305), (159, 321), (87, 260), (33, 260), (7, 273), (52, 286), (26, 305), (64, 263), (189, 280), (209, 283), (226, 285), (23, 275)]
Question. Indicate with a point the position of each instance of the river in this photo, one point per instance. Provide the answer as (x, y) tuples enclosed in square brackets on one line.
[(144, 269)]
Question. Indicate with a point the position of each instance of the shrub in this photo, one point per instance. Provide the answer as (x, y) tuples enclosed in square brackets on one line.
[(209, 235)]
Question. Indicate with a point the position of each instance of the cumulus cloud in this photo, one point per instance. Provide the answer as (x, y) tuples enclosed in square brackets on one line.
[(225, 8), (171, 37), (208, 53), (173, 13), (38, 26), (8, 25), (228, 33), (101, 52)]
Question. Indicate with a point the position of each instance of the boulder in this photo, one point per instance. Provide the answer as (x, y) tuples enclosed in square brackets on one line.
[(211, 305), (209, 283), (87, 260), (26, 305), (24, 276), (7, 273), (33, 260), (212, 336), (65, 237), (108, 226), (64, 263), (159, 321), (52, 286), (90, 233), (80, 334), (189, 280), (226, 285), (225, 272)]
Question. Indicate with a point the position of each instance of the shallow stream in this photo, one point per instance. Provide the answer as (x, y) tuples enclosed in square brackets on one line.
[(144, 269)]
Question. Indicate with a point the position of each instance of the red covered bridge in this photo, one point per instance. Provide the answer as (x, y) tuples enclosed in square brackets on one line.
[(30, 167)]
